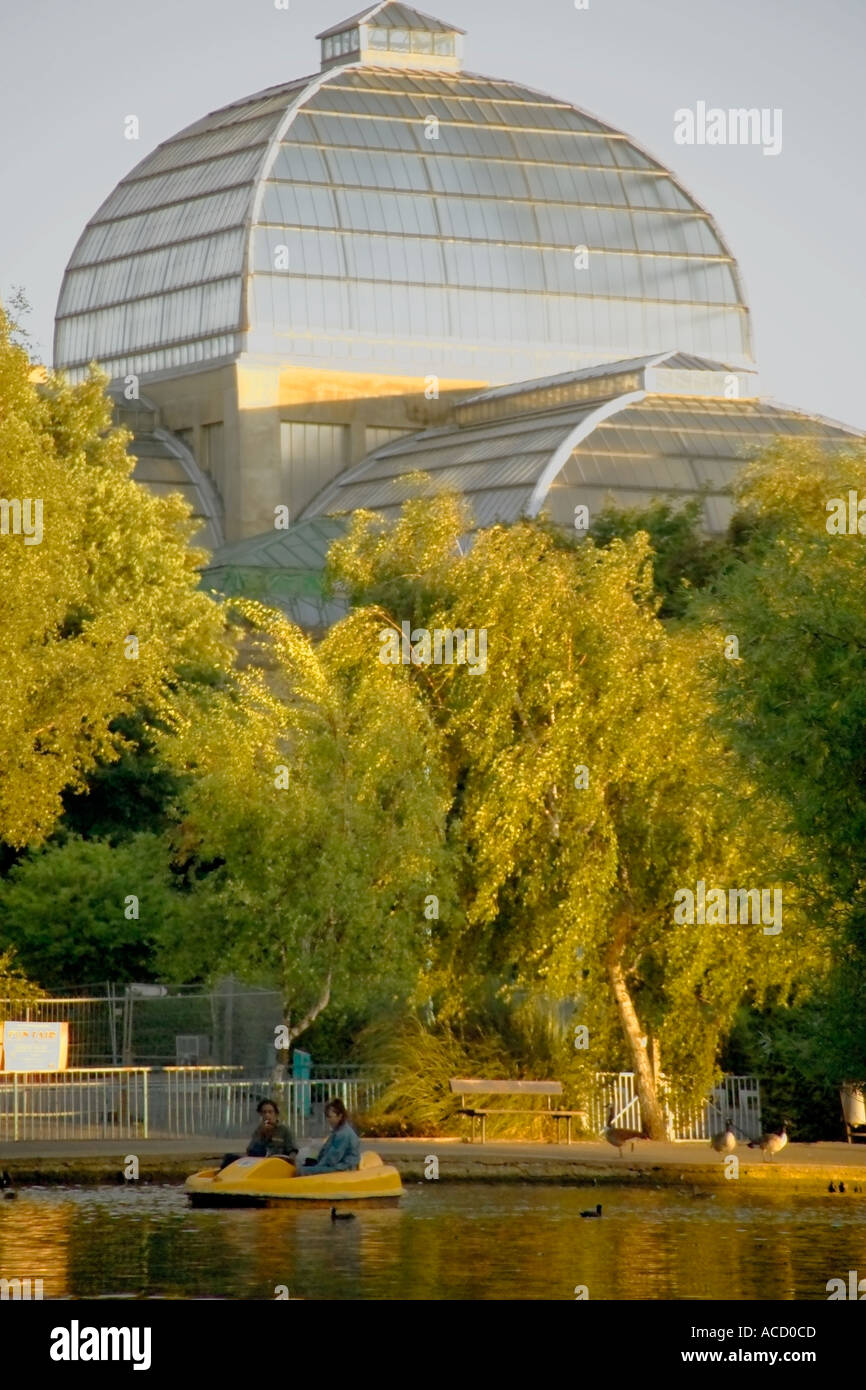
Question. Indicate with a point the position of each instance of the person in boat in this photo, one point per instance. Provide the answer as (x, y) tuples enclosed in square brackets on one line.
[(270, 1138), (341, 1151)]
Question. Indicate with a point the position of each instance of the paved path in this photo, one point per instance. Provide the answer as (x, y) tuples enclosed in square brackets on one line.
[(802, 1167), (645, 1154)]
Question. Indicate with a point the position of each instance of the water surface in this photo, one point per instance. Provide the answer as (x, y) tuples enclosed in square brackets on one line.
[(444, 1241)]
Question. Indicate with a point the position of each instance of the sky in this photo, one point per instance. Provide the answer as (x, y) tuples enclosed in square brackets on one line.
[(795, 220)]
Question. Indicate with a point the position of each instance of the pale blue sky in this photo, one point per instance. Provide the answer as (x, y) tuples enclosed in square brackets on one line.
[(73, 70)]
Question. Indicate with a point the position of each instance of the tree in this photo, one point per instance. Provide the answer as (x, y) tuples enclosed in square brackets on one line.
[(14, 984), (311, 828), (102, 616), (587, 785), (794, 705), (83, 911), (684, 558)]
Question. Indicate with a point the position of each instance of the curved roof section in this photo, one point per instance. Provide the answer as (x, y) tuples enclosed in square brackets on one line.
[(582, 439), (402, 219), (164, 464)]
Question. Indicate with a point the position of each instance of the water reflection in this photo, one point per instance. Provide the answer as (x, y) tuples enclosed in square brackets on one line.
[(443, 1242)]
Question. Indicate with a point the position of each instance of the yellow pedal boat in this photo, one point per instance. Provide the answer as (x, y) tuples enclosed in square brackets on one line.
[(261, 1181)]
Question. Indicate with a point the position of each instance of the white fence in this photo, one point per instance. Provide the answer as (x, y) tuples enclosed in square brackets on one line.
[(176, 1102), (736, 1098)]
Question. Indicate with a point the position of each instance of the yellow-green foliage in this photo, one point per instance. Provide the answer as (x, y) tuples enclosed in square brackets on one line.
[(113, 562), (420, 1061), (16, 991)]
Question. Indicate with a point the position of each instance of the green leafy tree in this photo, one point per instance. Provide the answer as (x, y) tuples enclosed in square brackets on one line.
[(587, 785), (102, 616), (14, 984), (794, 706), (311, 828), (84, 911), (684, 558)]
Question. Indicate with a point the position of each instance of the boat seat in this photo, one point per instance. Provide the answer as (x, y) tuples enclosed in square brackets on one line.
[(370, 1160)]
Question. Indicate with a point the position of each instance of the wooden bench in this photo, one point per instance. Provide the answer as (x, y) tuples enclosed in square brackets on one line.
[(464, 1087)]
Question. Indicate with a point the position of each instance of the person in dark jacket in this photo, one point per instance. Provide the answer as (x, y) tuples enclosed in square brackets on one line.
[(341, 1151), (270, 1139)]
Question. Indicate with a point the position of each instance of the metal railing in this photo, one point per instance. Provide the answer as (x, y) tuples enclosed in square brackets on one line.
[(175, 1102), (736, 1098), (111, 1102), (181, 1102)]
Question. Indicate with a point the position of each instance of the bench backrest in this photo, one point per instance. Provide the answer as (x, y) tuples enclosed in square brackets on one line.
[(464, 1087)]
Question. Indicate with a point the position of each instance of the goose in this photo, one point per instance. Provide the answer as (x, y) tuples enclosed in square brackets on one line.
[(841, 1187), (591, 1215), (619, 1137), (6, 1183), (770, 1144), (832, 1187), (726, 1142), (342, 1215)]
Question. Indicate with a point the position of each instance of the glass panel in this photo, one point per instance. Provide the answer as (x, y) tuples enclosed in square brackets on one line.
[(443, 44), (422, 42), (377, 38), (400, 40), (328, 48), (191, 149)]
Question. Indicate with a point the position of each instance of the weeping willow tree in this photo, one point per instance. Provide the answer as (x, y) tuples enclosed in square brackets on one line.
[(312, 828), (587, 785)]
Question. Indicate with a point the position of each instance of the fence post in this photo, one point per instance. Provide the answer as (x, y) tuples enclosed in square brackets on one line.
[(145, 1075), (14, 1105)]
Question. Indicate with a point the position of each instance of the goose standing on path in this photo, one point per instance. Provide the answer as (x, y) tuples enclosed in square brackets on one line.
[(619, 1137), (726, 1142), (770, 1144)]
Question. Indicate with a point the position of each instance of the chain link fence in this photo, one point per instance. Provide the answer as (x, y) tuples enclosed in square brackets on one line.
[(152, 1025)]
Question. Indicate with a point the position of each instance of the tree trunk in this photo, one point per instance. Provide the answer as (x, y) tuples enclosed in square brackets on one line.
[(281, 1066), (652, 1114)]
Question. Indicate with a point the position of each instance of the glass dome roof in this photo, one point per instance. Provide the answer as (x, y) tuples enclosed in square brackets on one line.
[(399, 219)]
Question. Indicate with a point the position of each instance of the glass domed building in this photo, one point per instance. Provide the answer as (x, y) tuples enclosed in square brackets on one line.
[(397, 265)]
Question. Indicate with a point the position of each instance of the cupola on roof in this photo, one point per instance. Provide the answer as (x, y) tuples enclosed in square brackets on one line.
[(394, 35)]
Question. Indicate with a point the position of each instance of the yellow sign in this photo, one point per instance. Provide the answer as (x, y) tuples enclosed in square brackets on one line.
[(34, 1046)]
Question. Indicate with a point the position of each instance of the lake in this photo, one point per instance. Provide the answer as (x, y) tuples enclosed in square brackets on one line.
[(444, 1241)]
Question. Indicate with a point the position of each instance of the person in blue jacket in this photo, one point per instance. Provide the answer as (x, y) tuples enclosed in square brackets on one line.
[(341, 1151)]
